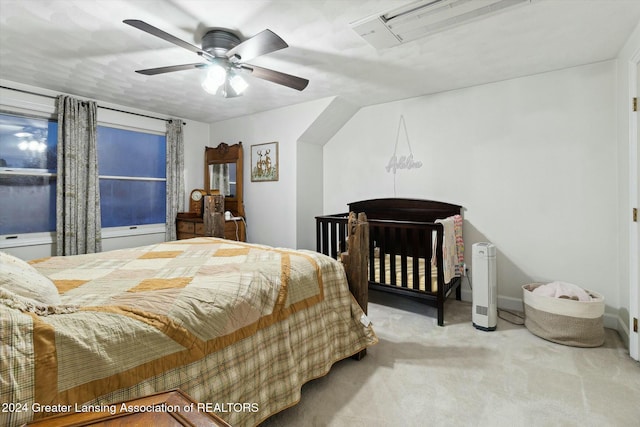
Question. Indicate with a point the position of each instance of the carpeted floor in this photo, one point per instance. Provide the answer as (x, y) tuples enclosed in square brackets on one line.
[(420, 374)]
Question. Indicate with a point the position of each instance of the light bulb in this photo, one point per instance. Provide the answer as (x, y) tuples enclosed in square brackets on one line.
[(215, 78), (238, 84)]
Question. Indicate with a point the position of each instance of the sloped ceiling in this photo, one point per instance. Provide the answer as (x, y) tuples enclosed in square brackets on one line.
[(82, 47)]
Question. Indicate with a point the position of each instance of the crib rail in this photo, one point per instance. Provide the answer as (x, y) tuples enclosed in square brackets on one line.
[(331, 233), (407, 243), (393, 242)]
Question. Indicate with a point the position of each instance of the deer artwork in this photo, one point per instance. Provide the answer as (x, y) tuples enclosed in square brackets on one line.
[(265, 168), (267, 162), (259, 164)]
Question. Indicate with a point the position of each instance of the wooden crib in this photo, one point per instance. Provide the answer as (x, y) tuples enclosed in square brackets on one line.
[(405, 246)]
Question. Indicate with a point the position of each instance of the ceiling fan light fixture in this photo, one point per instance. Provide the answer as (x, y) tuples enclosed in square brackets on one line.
[(225, 54), (216, 76)]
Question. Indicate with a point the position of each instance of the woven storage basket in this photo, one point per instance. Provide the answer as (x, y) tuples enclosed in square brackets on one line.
[(564, 321)]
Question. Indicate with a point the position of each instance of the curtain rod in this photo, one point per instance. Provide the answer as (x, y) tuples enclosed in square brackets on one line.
[(99, 106)]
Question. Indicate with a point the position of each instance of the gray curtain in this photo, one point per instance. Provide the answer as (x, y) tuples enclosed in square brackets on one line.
[(220, 179), (175, 176), (78, 224)]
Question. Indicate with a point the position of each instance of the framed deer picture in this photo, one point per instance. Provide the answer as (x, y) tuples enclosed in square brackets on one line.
[(264, 162)]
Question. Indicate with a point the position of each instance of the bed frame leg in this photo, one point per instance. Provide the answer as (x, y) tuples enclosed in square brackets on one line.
[(359, 355)]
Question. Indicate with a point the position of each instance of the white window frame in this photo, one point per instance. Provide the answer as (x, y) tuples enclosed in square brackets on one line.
[(27, 239), (23, 108), (133, 229)]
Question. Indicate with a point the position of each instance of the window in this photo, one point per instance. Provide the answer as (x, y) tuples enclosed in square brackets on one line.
[(131, 166), (132, 177), (27, 174)]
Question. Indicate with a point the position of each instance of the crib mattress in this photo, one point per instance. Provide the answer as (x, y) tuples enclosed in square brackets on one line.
[(433, 283)]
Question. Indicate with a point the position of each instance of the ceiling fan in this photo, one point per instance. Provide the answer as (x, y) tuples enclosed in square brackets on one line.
[(225, 58)]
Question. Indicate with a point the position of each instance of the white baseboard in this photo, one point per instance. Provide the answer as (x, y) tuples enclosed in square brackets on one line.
[(623, 330)]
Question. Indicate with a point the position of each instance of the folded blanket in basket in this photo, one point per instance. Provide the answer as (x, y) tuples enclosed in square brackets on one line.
[(563, 290)]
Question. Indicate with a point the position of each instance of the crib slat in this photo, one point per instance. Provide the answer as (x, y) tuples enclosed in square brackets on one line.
[(342, 237), (404, 280), (391, 233), (325, 238), (383, 258), (415, 250), (333, 241), (372, 258)]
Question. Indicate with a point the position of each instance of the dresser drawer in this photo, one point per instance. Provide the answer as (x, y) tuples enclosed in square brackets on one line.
[(190, 227), (199, 228), (185, 227)]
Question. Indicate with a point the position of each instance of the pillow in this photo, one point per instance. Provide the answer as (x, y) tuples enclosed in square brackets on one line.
[(20, 278)]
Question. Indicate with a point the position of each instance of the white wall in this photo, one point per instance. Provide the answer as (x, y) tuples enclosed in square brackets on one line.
[(196, 138), (196, 134), (532, 160), (271, 207), (308, 194)]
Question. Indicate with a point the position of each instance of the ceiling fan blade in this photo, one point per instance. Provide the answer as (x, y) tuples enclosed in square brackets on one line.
[(273, 76), (170, 69), (262, 43), (147, 28)]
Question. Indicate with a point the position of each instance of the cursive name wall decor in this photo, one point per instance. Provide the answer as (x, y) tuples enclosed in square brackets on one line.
[(406, 162)]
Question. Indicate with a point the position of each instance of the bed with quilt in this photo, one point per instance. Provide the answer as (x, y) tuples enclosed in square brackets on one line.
[(223, 321), (416, 246)]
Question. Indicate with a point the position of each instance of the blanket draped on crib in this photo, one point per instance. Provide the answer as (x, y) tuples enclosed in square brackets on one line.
[(452, 247)]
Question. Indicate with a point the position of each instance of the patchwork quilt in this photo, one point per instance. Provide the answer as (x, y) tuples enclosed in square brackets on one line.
[(183, 314)]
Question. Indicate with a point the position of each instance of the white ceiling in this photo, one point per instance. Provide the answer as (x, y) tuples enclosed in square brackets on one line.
[(82, 47)]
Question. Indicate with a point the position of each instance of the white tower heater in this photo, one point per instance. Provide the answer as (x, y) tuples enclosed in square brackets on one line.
[(485, 288)]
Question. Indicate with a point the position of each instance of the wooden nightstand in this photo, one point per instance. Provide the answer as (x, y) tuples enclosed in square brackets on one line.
[(169, 408), (189, 226)]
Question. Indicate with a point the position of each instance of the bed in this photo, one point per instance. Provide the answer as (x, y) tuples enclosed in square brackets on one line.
[(239, 325), (415, 246)]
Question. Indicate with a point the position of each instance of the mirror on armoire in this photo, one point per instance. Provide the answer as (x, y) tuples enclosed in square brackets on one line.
[(223, 174)]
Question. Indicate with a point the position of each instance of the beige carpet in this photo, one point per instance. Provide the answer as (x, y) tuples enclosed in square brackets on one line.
[(420, 374)]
